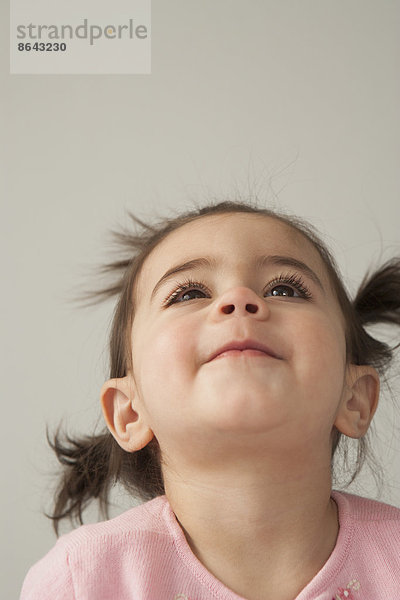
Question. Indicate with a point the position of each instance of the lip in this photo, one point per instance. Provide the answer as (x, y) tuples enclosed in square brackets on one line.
[(243, 345)]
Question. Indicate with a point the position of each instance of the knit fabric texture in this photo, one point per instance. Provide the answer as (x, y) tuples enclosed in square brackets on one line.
[(143, 555)]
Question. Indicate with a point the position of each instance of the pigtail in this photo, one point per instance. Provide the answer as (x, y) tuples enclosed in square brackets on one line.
[(92, 465), (88, 472), (377, 301)]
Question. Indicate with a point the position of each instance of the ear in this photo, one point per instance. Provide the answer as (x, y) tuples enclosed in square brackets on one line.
[(359, 400), (127, 426)]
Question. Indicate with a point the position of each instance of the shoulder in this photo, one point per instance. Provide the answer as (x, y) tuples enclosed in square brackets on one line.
[(146, 518), (369, 525), (367, 550), (362, 509), (96, 548), (49, 578)]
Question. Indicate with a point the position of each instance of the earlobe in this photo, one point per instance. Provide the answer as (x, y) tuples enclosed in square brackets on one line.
[(126, 425), (359, 401)]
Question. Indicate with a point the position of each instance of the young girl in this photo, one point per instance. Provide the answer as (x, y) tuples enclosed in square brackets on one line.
[(239, 366)]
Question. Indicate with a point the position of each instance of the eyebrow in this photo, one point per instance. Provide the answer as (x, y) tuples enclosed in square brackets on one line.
[(260, 262)]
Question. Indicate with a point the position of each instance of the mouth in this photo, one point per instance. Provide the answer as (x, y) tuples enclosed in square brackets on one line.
[(244, 347)]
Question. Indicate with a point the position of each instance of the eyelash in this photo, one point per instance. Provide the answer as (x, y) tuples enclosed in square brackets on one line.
[(294, 280)]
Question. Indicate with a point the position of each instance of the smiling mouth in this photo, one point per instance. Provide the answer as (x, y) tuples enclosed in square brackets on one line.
[(243, 348), (245, 352)]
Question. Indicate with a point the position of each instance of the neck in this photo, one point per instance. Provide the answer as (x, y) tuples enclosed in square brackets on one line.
[(252, 525)]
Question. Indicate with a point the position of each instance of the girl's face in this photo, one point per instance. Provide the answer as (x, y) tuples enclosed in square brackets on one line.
[(241, 401)]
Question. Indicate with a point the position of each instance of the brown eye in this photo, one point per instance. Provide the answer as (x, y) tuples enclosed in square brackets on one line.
[(189, 290), (291, 286), (187, 294), (285, 289)]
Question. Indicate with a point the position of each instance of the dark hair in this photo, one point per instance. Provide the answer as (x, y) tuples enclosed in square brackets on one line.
[(93, 464)]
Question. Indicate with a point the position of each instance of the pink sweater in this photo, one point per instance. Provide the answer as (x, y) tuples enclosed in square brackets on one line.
[(143, 555)]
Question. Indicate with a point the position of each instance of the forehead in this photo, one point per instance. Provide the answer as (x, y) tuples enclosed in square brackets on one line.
[(227, 237)]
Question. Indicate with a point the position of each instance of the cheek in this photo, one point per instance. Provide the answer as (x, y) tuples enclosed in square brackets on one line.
[(164, 370), (166, 353), (319, 357)]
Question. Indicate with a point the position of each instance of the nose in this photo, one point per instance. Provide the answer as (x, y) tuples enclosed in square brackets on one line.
[(241, 302)]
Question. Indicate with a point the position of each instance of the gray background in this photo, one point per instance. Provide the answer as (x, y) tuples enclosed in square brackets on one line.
[(296, 101)]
